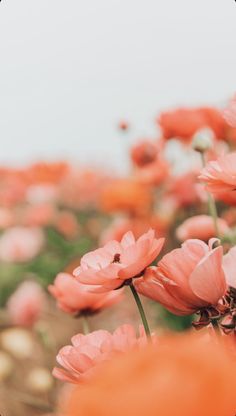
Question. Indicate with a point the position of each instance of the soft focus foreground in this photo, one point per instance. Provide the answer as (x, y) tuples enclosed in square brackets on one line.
[(98, 269)]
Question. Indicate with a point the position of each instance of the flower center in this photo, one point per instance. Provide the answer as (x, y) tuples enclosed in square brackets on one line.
[(116, 258)]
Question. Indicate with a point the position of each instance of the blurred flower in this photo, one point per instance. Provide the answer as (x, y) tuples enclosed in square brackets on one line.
[(144, 152), (44, 173), (74, 297), (81, 188), (6, 218), (88, 351), (185, 190), (18, 342), (118, 228), (230, 112), (183, 123), (123, 125), (126, 195), (179, 376), (38, 215), (39, 380), (66, 223), (219, 176), (109, 267), (25, 305), (186, 279), (20, 244), (202, 227), (41, 194), (154, 173)]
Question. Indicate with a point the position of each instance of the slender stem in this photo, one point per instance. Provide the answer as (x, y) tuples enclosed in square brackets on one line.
[(85, 325), (211, 204), (141, 310)]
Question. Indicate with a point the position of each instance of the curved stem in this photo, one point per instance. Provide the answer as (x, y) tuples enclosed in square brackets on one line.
[(141, 310), (85, 324)]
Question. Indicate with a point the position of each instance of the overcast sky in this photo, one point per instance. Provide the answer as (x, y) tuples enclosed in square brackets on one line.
[(70, 69)]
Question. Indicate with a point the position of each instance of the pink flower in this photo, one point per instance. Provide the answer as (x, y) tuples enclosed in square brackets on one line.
[(25, 305), (230, 112), (20, 244), (6, 218), (186, 279), (88, 351), (219, 175), (109, 267), (229, 266), (200, 226), (74, 297)]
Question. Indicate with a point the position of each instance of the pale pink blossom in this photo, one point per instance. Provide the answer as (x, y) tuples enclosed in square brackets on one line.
[(79, 360), (186, 279), (229, 266), (219, 175), (109, 267), (75, 297), (20, 244), (230, 112), (26, 304), (202, 227)]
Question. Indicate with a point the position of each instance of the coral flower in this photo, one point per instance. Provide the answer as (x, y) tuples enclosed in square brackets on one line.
[(183, 123), (144, 152), (81, 358), (229, 266), (219, 176), (109, 267), (66, 223), (179, 376), (230, 112), (74, 297), (20, 244), (202, 227), (26, 304), (187, 279), (126, 195)]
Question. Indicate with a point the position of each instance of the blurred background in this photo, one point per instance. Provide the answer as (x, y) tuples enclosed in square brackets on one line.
[(70, 69), (90, 149)]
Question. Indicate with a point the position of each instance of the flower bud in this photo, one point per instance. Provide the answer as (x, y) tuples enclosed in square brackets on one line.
[(202, 140)]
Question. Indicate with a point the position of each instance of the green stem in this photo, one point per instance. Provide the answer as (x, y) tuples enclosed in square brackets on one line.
[(141, 310), (212, 204), (85, 325)]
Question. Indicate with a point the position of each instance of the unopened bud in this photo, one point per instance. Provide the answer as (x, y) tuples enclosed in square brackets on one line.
[(202, 140)]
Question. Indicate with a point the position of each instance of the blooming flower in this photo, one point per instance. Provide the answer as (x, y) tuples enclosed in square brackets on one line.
[(219, 176), (229, 266), (26, 304), (74, 297), (230, 112), (179, 376), (109, 267), (20, 244), (144, 152), (200, 226), (87, 351), (186, 279)]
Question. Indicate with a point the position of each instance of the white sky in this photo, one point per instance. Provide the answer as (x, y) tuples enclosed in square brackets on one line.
[(70, 69)]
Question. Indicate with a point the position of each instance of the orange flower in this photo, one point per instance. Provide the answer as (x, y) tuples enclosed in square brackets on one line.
[(144, 152), (126, 195), (66, 223), (183, 123), (42, 172), (179, 376), (219, 176)]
